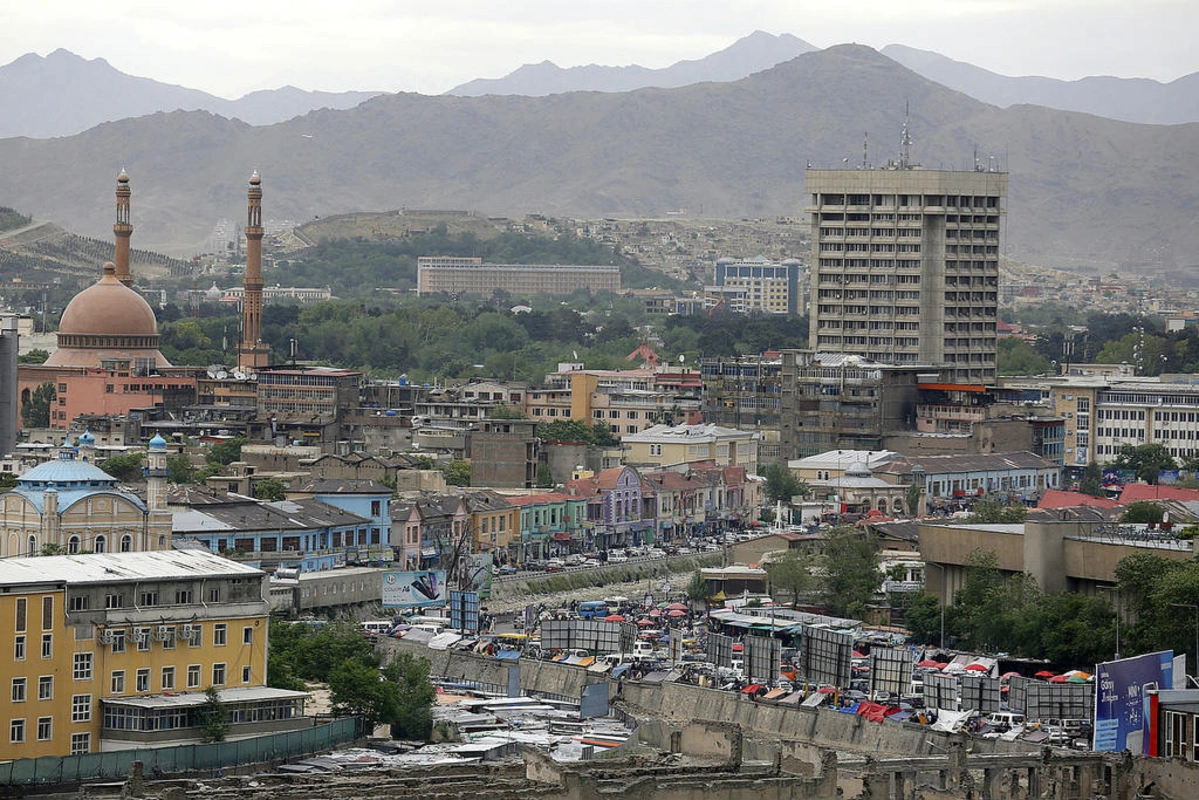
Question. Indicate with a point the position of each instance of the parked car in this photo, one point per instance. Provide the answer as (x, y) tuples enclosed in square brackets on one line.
[(555, 565), (616, 557), (656, 553), (507, 569)]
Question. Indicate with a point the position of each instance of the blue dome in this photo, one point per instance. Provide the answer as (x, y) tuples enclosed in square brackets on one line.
[(87, 440), (65, 474), (158, 444)]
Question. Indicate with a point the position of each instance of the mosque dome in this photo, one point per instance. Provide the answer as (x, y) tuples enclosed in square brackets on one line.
[(107, 320), (858, 470), (158, 444)]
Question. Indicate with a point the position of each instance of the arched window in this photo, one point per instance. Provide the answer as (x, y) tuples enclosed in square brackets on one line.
[(882, 504), (32, 545), (126, 544), (101, 544), (73, 544)]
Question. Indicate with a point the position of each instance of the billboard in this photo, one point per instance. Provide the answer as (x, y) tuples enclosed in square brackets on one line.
[(762, 657), (464, 611), (891, 670), (1120, 699), (825, 656), (414, 589), (979, 692)]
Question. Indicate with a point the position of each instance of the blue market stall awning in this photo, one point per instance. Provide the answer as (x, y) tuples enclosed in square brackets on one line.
[(620, 669), (508, 655)]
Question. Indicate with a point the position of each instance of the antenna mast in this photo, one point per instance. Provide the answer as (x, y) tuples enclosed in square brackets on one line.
[(866, 150), (905, 148)]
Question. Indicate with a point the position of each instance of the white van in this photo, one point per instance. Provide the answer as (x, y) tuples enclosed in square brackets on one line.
[(375, 628), (1005, 720)]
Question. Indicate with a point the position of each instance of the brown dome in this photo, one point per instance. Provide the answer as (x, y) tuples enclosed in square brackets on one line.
[(109, 308), (107, 321)]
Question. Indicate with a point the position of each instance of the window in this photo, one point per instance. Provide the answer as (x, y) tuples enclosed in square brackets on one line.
[(184, 597), (16, 731), (118, 641), (147, 598), (214, 594), (45, 728), (101, 545), (168, 678), (83, 667), (81, 743), (196, 637), (118, 681), (143, 680), (47, 645), (193, 676), (167, 634), (112, 600), (81, 708), (142, 637), (220, 634), (45, 687), (19, 648), (47, 613), (79, 602), (247, 635), (218, 674), (18, 689), (126, 544), (22, 606), (246, 674)]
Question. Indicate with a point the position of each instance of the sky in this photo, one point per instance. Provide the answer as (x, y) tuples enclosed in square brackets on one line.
[(430, 46)]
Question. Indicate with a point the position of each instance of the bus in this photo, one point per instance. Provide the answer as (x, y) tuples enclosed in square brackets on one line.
[(593, 609)]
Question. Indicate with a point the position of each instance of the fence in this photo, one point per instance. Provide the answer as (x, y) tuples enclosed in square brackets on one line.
[(181, 758)]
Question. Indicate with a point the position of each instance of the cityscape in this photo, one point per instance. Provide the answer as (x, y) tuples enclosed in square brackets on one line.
[(850, 501)]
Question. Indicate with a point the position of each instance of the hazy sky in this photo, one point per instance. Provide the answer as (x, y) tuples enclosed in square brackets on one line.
[(429, 46)]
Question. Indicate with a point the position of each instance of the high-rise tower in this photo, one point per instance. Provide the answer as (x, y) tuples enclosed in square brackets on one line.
[(905, 266), (122, 229), (253, 353)]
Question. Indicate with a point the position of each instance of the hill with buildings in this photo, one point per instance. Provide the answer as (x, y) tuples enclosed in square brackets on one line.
[(1085, 191)]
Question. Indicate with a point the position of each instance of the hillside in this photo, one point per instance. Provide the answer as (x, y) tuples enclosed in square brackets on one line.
[(747, 55), (1085, 190), (63, 94)]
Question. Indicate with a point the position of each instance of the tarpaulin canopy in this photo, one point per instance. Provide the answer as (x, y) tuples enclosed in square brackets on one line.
[(508, 655)]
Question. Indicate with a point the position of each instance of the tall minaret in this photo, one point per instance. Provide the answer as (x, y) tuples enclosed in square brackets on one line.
[(253, 352), (122, 230)]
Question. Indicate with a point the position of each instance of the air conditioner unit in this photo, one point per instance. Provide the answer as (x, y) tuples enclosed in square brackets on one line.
[(107, 636), (187, 631), (141, 635), (163, 633)]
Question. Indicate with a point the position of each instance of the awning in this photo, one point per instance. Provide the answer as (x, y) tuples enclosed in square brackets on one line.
[(508, 655), (561, 536), (753, 688)]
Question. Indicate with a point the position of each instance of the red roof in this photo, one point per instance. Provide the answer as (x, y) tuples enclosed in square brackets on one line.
[(1143, 491), (1056, 498), (537, 499)]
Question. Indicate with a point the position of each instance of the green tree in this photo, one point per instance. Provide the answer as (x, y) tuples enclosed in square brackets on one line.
[(545, 476), (1143, 511), (457, 473), (214, 716), (1092, 480), (696, 588), (851, 574), (1146, 460), (922, 618), (911, 497), (7, 481), (36, 413), (791, 573), (355, 688), (505, 412), (990, 512), (180, 469), (781, 484), (124, 467), (53, 549), (35, 356), (271, 490), (566, 430), (415, 696), (1017, 357), (228, 451), (603, 436)]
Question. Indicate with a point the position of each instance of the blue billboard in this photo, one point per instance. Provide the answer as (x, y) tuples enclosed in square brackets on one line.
[(1121, 700), (414, 589)]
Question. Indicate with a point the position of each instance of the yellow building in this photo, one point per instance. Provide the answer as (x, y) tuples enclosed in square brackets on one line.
[(663, 445), (115, 650)]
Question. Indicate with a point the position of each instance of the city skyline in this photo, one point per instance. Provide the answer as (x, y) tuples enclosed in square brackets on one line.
[(430, 48)]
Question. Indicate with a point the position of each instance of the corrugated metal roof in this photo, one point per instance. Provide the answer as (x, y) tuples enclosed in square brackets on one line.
[(120, 567), (239, 694)]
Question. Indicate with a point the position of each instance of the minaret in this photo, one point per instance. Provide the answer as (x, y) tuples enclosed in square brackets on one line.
[(156, 474), (122, 229), (253, 352)]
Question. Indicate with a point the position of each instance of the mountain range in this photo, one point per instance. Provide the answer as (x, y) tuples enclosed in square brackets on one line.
[(750, 54), (63, 94), (1085, 191)]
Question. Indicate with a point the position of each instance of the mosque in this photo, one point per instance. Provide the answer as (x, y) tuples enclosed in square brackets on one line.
[(107, 361), (69, 505)]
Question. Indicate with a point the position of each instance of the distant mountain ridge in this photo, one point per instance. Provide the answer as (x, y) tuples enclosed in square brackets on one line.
[(64, 94), (1129, 99), (1085, 191), (750, 54)]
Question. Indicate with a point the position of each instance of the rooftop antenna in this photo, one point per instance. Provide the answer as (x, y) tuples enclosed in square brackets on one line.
[(977, 168), (866, 150), (905, 148)]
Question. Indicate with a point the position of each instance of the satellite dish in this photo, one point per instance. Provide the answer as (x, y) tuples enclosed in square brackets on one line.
[(682, 358)]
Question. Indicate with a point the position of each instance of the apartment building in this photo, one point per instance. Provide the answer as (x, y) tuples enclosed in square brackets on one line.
[(462, 276), (115, 650), (905, 266), (766, 286)]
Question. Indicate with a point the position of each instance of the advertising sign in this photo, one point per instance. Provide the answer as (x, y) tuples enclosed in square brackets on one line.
[(1120, 699), (414, 589), (464, 611)]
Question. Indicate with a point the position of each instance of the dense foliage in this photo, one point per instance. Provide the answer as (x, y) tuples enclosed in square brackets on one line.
[(851, 575)]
